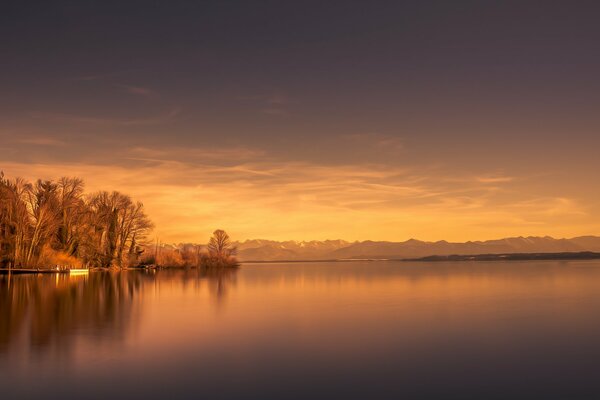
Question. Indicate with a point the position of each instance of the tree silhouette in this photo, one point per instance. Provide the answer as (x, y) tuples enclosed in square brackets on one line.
[(220, 251), (219, 244)]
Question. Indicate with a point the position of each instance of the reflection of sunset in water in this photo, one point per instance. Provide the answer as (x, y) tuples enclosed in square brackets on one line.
[(47, 312), (56, 311), (381, 324)]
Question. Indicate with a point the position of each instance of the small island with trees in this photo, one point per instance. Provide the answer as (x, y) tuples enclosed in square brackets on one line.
[(55, 226)]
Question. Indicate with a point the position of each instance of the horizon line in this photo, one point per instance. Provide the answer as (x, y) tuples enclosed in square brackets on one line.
[(391, 241)]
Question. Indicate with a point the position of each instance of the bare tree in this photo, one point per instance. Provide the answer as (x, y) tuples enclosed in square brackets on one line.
[(219, 244), (42, 204), (120, 225), (72, 210), (14, 220), (51, 222)]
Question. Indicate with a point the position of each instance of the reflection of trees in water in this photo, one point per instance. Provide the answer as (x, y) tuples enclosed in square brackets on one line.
[(219, 280), (44, 309)]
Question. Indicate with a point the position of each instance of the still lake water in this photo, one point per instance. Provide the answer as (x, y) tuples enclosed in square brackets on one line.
[(314, 330)]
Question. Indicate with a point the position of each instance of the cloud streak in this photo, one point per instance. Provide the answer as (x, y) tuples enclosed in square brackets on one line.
[(190, 191), (41, 141), (139, 91), (167, 116)]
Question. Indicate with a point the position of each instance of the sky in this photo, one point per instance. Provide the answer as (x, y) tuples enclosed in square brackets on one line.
[(462, 120)]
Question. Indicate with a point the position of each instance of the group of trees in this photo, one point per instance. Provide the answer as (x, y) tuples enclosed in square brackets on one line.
[(53, 223), (219, 253)]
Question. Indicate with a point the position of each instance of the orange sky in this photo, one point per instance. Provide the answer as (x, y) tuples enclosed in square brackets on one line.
[(288, 121), (190, 192)]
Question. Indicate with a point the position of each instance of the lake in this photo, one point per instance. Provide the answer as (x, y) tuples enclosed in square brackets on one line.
[(351, 330)]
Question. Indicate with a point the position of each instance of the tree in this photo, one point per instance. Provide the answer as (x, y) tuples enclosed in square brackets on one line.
[(119, 226), (42, 204), (220, 251), (50, 223), (14, 221), (219, 244), (72, 210)]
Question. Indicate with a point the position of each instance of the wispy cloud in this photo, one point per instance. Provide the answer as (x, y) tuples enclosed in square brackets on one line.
[(495, 179), (189, 191), (276, 104), (549, 206), (41, 141), (100, 76), (139, 91), (376, 140), (166, 116), (181, 154), (275, 111)]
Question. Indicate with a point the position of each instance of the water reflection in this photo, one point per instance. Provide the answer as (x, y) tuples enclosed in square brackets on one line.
[(219, 281), (44, 312), (325, 330)]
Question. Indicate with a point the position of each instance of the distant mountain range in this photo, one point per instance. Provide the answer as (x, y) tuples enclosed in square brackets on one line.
[(268, 250)]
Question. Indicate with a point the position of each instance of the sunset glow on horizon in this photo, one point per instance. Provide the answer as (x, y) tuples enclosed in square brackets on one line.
[(255, 197), (387, 124)]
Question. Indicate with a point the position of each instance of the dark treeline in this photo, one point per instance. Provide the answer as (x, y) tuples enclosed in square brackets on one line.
[(54, 223)]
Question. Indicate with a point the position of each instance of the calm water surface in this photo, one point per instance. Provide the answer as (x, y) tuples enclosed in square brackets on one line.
[(318, 330)]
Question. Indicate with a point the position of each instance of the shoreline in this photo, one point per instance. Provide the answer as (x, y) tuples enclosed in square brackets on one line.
[(560, 256), (32, 271), (565, 256)]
